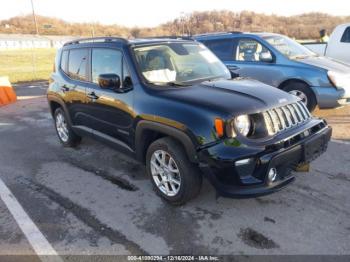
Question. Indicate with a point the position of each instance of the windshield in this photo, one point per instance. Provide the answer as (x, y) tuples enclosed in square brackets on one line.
[(288, 47), (179, 63)]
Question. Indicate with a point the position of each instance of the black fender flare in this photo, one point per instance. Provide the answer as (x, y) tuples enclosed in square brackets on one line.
[(63, 106), (178, 134)]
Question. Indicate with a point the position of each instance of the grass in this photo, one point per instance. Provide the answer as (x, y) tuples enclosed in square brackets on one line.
[(22, 65)]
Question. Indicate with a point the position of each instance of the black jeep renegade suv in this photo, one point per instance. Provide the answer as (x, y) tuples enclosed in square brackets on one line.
[(171, 104)]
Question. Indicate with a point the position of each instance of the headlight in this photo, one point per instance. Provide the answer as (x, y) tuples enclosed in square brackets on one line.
[(242, 124), (339, 79)]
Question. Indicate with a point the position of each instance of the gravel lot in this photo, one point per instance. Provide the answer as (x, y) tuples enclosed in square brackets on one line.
[(93, 200)]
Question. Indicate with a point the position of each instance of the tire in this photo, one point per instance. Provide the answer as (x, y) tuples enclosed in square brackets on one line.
[(188, 177), (64, 131), (301, 90)]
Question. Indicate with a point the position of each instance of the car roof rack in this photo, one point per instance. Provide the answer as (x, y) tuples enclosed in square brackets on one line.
[(220, 33), (96, 39), (169, 37)]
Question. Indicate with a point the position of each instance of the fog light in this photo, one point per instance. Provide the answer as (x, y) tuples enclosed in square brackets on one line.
[(272, 174)]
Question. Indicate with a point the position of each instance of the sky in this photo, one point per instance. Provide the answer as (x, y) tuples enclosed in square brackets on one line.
[(154, 12)]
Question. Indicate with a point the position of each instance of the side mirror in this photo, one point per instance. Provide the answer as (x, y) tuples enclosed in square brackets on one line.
[(109, 81), (265, 57)]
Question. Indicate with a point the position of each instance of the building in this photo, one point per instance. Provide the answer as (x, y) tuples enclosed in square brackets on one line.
[(22, 41)]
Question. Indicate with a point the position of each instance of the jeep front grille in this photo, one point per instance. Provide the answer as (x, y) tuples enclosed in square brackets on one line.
[(285, 117)]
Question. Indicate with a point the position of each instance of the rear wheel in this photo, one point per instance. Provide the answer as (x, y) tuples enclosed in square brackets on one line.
[(304, 93), (65, 133), (173, 176)]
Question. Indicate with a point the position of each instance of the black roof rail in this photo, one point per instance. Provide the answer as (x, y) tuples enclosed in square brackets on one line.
[(212, 33), (219, 33), (168, 37), (96, 39)]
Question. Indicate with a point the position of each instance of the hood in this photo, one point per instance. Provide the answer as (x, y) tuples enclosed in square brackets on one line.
[(232, 97), (326, 63)]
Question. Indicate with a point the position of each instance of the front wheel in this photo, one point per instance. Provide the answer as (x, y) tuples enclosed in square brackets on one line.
[(304, 93), (173, 176)]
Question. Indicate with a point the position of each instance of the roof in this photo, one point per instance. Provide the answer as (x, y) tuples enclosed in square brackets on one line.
[(221, 35), (120, 40)]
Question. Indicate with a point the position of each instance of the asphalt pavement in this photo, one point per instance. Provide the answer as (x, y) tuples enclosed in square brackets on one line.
[(94, 200)]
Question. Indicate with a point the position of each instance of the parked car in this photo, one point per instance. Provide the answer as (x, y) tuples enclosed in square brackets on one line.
[(283, 63), (171, 105), (338, 46)]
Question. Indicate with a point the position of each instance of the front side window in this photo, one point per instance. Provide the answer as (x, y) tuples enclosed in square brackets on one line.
[(77, 64), (106, 61), (288, 47), (250, 50), (346, 36), (181, 63)]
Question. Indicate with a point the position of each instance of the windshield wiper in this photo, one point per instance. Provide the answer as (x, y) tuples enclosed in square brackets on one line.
[(171, 83), (299, 56), (176, 83)]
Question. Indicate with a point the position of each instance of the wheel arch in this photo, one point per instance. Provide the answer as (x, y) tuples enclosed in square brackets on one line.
[(148, 131), (286, 82), (300, 81), (55, 103)]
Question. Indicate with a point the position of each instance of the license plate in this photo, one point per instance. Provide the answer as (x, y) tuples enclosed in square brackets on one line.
[(314, 148)]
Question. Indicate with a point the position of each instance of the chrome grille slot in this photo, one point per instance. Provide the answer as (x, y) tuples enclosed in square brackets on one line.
[(284, 117)]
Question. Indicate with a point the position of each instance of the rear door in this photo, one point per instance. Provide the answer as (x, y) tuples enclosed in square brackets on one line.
[(110, 111), (223, 49), (74, 64)]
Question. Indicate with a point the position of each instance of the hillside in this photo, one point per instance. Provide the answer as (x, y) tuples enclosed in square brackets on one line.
[(305, 26)]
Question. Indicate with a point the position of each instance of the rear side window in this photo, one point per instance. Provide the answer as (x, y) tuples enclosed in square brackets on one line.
[(221, 48), (106, 61), (77, 64), (64, 61), (346, 36)]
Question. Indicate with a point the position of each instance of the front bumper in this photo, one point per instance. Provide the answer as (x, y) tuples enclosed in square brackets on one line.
[(331, 97), (219, 163)]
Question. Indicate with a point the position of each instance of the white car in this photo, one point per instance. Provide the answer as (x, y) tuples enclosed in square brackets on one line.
[(338, 46)]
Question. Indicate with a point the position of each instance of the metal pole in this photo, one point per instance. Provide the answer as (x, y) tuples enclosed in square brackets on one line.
[(33, 48), (34, 18), (92, 30)]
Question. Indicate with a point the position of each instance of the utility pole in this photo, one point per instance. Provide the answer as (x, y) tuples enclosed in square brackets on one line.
[(34, 18)]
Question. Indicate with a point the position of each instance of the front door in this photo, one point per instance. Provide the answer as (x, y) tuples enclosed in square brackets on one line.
[(110, 111), (250, 59)]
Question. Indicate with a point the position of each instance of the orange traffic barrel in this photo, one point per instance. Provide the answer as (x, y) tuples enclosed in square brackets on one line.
[(7, 94)]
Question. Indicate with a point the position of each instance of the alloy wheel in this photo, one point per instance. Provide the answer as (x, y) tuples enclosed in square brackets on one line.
[(165, 173), (300, 94), (62, 128)]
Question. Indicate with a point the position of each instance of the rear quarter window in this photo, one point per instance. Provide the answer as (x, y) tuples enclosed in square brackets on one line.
[(346, 36), (64, 61)]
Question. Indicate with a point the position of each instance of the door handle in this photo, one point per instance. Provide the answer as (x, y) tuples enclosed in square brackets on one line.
[(232, 67), (64, 88), (92, 96)]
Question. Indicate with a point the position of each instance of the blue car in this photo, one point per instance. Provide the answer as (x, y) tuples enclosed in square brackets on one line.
[(283, 63)]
